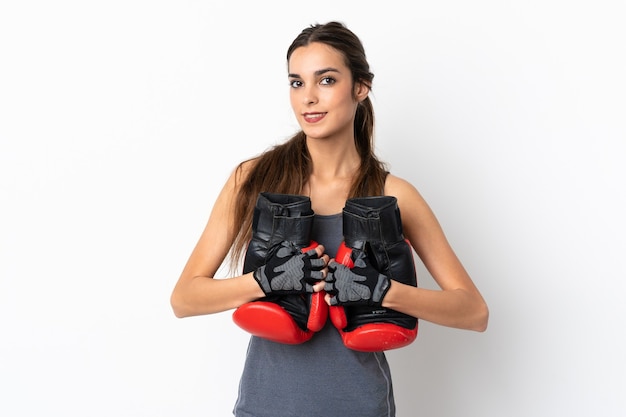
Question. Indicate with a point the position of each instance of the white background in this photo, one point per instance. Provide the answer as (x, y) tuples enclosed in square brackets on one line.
[(120, 121)]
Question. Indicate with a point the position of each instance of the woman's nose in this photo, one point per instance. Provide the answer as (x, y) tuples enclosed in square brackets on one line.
[(310, 95)]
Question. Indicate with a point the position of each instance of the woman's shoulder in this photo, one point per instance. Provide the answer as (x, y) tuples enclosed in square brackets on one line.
[(398, 186), (408, 196), (242, 169), (237, 177)]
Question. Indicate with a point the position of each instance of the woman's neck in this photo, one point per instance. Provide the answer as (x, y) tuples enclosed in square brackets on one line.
[(331, 178), (333, 159)]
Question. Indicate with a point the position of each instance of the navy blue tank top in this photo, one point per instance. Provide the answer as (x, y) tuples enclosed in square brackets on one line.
[(320, 377)]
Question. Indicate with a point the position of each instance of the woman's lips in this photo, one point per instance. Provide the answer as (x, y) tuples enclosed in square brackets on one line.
[(313, 117)]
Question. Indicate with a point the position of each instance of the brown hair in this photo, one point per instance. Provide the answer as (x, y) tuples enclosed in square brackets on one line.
[(285, 168)]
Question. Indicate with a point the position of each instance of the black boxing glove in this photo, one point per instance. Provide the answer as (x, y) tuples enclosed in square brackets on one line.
[(283, 222), (376, 252)]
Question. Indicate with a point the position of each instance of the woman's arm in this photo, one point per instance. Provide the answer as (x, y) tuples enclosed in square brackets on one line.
[(196, 291), (459, 303)]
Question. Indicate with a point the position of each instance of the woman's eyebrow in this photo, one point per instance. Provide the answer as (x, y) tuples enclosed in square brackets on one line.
[(317, 73)]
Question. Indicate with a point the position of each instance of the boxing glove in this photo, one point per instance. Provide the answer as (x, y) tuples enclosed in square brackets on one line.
[(373, 253), (281, 228)]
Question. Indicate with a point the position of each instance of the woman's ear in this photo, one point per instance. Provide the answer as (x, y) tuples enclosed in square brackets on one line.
[(361, 91)]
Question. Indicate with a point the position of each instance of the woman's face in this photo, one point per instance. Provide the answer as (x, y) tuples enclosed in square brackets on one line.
[(321, 91)]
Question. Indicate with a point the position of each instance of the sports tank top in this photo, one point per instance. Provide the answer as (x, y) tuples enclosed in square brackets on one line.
[(318, 378)]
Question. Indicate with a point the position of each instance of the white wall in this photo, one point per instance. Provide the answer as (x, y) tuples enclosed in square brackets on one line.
[(120, 120)]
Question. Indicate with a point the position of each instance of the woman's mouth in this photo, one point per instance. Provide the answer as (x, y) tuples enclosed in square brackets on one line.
[(313, 117)]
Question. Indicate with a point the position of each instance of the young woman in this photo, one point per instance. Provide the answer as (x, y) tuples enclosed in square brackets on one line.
[(330, 161)]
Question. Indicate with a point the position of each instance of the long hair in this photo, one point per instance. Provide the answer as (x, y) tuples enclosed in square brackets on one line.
[(285, 168)]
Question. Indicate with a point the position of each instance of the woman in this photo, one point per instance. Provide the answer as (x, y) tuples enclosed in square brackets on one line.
[(330, 161)]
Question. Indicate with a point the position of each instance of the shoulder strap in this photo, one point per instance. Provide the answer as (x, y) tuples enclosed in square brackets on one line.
[(382, 192)]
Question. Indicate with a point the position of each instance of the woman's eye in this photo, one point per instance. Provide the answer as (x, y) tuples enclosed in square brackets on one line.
[(327, 80), (295, 83)]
